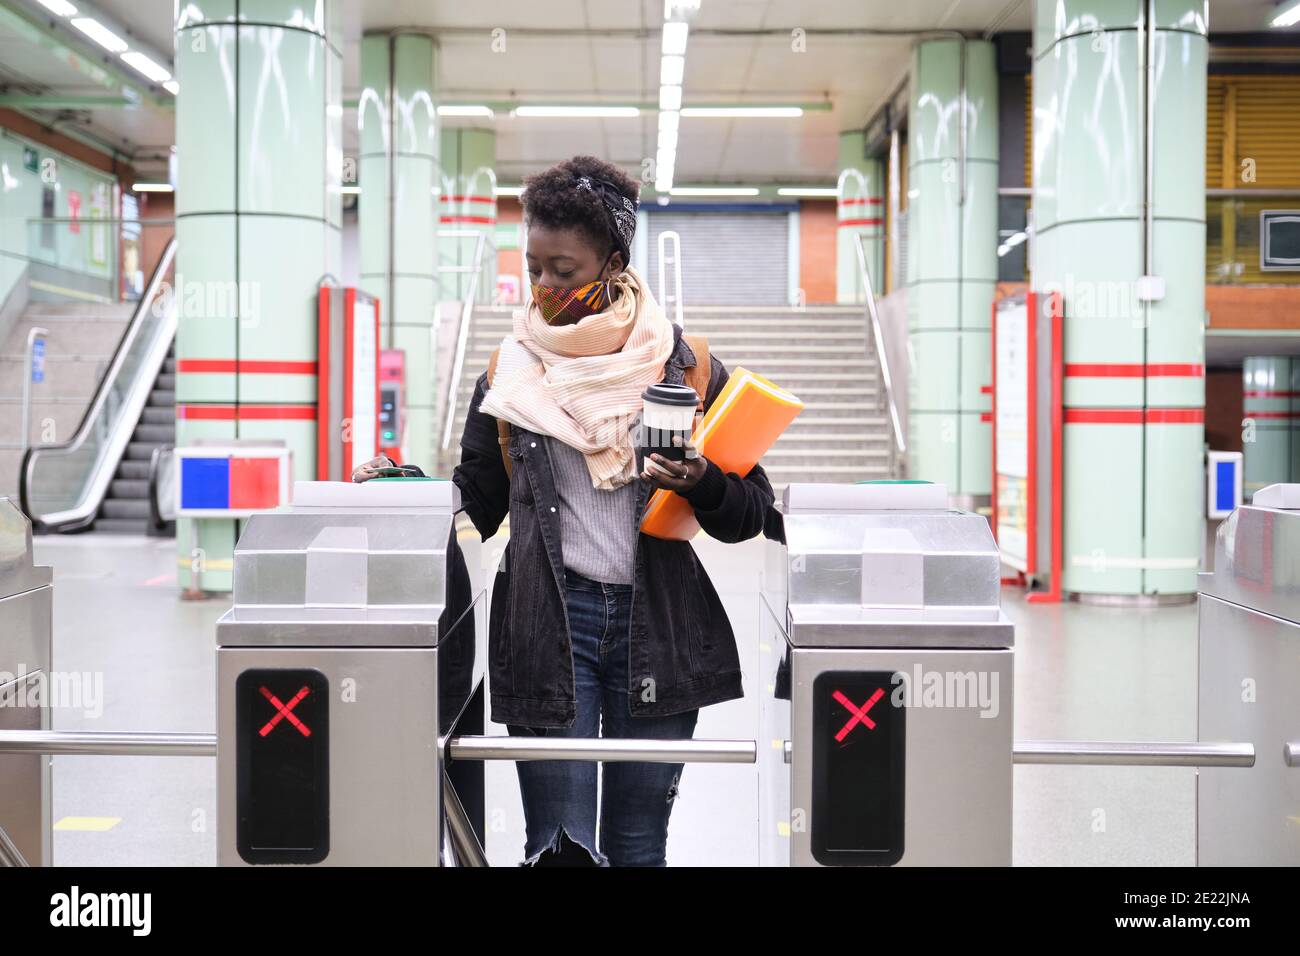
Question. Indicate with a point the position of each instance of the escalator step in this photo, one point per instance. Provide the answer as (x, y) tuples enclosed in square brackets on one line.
[(129, 488), (166, 381), (140, 450), (120, 526), (157, 433), (158, 415), (133, 470), (169, 365), (137, 508), (162, 398)]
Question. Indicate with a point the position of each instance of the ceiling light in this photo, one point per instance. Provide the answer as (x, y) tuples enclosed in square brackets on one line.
[(810, 191), (715, 191), (674, 9), (148, 67), (59, 8), (674, 43), (510, 190), (771, 112), (466, 111), (610, 111), (671, 70), (101, 34), (669, 121), (670, 98), (664, 181), (665, 157), (1288, 15), (172, 87), (350, 190), (152, 187), (668, 139)]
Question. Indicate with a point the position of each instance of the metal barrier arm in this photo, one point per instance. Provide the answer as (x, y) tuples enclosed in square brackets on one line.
[(1133, 753), (10, 855), (108, 743), (607, 749)]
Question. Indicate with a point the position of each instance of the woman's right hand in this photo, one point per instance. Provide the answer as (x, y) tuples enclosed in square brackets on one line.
[(370, 469)]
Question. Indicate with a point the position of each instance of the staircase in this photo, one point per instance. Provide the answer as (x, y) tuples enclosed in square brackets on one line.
[(125, 508), (823, 354)]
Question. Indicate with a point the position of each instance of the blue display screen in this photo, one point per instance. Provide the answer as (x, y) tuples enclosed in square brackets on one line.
[(205, 483), (1225, 485)]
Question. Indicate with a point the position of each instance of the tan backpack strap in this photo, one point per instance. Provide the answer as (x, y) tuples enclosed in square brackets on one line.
[(697, 377), (503, 426)]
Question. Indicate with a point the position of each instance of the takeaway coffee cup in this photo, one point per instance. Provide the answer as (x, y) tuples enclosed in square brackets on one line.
[(667, 413)]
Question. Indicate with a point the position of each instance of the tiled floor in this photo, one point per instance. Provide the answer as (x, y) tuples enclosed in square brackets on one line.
[(1081, 672)]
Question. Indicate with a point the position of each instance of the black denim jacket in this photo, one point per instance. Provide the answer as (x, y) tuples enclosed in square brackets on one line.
[(682, 649)]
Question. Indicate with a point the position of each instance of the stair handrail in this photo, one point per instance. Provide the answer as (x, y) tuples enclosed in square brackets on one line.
[(882, 357), (676, 260), (462, 339), (83, 513)]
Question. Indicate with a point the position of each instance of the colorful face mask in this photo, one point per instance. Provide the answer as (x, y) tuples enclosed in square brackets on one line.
[(560, 306)]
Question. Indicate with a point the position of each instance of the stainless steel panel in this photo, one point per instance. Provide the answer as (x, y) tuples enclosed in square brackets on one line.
[(25, 778), (1255, 561), (26, 603), (958, 763), (1249, 674), (385, 774)]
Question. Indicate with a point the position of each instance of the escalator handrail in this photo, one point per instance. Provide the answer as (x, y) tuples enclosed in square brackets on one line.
[(84, 513)]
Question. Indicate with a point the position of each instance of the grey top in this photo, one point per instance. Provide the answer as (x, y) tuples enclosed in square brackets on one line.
[(598, 528)]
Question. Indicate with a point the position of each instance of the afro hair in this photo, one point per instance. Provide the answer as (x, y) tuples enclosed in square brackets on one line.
[(552, 198)]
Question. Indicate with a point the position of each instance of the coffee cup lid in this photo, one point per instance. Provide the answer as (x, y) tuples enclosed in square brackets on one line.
[(668, 394)]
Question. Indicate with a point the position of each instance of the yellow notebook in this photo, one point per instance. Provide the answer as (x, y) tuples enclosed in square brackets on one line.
[(749, 414)]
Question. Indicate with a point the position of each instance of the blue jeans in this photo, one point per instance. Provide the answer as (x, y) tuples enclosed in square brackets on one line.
[(559, 797)]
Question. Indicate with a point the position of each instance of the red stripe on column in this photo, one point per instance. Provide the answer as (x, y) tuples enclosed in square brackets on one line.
[(468, 199), (1134, 416), (1273, 414), (862, 201), (1103, 416), (986, 389), (860, 222), (228, 413), (1132, 370), (246, 366), (480, 220), (1268, 394), (986, 416), (1175, 416)]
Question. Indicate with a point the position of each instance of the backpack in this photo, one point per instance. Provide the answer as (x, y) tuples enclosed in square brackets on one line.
[(696, 377)]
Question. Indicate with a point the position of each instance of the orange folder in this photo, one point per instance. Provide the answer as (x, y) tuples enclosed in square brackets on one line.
[(748, 415)]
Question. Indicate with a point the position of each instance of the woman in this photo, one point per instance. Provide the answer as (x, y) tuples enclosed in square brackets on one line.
[(596, 628)]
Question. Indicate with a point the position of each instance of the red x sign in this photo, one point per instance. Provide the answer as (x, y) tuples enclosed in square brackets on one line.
[(283, 712), (859, 714)]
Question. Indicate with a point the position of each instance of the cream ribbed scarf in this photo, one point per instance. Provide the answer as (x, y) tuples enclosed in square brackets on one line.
[(582, 383)]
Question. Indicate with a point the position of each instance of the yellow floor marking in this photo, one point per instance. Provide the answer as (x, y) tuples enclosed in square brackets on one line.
[(88, 824)]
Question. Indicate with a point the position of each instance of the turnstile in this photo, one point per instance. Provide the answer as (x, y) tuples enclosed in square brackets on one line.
[(351, 653), (893, 671), (1249, 670), (26, 604)]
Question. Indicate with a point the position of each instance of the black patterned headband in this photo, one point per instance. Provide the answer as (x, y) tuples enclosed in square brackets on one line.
[(621, 210)]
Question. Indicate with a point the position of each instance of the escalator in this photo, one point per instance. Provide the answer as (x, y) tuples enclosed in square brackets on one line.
[(99, 479)]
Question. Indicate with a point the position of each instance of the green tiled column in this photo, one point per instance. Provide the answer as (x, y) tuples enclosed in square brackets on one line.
[(258, 222), (860, 211), (398, 216), (952, 242), (1271, 407), (1134, 356), (468, 205)]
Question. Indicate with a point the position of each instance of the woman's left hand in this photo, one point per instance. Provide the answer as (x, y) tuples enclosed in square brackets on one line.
[(679, 476)]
